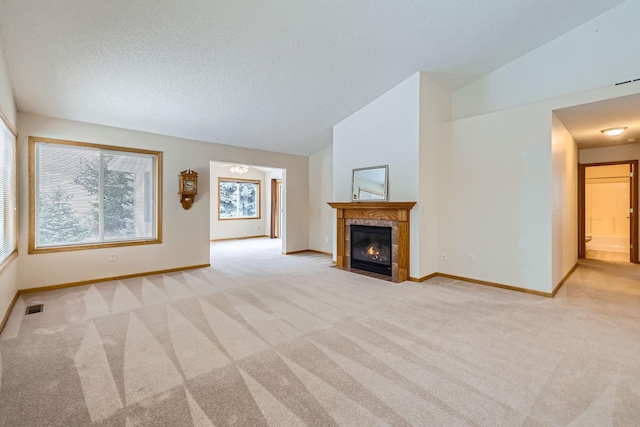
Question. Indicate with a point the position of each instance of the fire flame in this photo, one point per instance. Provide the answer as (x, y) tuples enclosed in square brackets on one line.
[(374, 252)]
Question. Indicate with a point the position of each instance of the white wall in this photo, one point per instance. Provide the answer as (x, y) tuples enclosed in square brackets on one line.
[(617, 153), (322, 216), (230, 229), (384, 132), (435, 109), (504, 121), (564, 153), (9, 278), (597, 54), (494, 198), (6, 93), (185, 232)]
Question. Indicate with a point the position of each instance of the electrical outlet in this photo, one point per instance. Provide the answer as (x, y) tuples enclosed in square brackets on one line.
[(472, 258), (444, 256), (112, 257), (326, 239)]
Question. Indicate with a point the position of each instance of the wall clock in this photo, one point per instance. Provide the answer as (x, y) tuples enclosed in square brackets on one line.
[(187, 187)]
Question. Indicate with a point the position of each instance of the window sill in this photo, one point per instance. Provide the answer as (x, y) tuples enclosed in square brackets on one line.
[(53, 249), (7, 262), (237, 219)]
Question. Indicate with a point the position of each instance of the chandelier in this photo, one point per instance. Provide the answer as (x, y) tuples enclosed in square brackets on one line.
[(240, 169)]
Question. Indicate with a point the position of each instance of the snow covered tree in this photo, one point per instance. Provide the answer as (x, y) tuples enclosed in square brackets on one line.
[(228, 199), (247, 199), (238, 199), (118, 197), (58, 221)]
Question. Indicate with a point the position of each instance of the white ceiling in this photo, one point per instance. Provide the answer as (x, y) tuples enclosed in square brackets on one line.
[(584, 122), (275, 75)]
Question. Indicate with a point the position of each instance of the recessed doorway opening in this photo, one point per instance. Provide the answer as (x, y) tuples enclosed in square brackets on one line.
[(247, 201), (608, 227)]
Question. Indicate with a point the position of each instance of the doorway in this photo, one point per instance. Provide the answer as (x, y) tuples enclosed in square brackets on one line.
[(240, 201), (608, 197)]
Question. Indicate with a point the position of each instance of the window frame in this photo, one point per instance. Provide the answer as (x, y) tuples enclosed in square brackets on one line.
[(258, 203), (13, 255), (99, 245)]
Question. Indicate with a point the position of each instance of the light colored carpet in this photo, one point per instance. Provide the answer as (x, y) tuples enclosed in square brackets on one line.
[(265, 339), (608, 256)]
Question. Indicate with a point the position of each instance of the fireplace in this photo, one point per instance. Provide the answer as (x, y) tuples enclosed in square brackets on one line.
[(371, 248), (377, 214)]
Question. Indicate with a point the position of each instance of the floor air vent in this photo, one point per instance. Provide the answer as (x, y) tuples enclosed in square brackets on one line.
[(34, 309)]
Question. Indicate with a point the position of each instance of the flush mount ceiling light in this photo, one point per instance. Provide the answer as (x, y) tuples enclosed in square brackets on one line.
[(613, 131), (239, 169)]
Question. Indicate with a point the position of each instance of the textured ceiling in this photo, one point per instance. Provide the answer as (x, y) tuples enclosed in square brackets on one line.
[(275, 75), (584, 122)]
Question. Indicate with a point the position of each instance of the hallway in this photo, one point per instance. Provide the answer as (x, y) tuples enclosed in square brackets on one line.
[(608, 286)]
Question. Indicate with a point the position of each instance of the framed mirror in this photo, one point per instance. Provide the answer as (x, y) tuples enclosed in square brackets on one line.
[(369, 184)]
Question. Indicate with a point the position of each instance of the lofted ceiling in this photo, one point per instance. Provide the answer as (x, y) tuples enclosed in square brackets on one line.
[(585, 122), (273, 75)]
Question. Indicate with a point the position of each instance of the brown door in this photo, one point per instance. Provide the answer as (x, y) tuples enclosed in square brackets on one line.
[(633, 222)]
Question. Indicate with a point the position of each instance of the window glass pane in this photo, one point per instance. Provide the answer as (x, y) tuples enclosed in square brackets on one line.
[(239, 199), (67, 207), (7, 192), (147, 197), (247, 199), (124, 197), (88, 195), (228, 199)]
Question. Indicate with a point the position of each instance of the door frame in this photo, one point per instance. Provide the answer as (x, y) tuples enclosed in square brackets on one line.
[(633, 205), (276, 203)]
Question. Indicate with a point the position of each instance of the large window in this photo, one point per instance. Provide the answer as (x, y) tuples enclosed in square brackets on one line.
[(238, 198), (8, 221), (84, 195)]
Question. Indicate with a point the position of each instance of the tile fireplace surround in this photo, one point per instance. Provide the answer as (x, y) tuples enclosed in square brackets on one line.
[(377, 214)]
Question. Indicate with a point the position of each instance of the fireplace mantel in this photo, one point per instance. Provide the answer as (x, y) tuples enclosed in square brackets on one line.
[(407, 206), (368, 213)]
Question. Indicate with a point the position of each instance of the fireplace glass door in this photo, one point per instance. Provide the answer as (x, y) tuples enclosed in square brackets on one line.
[(371, 248)]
